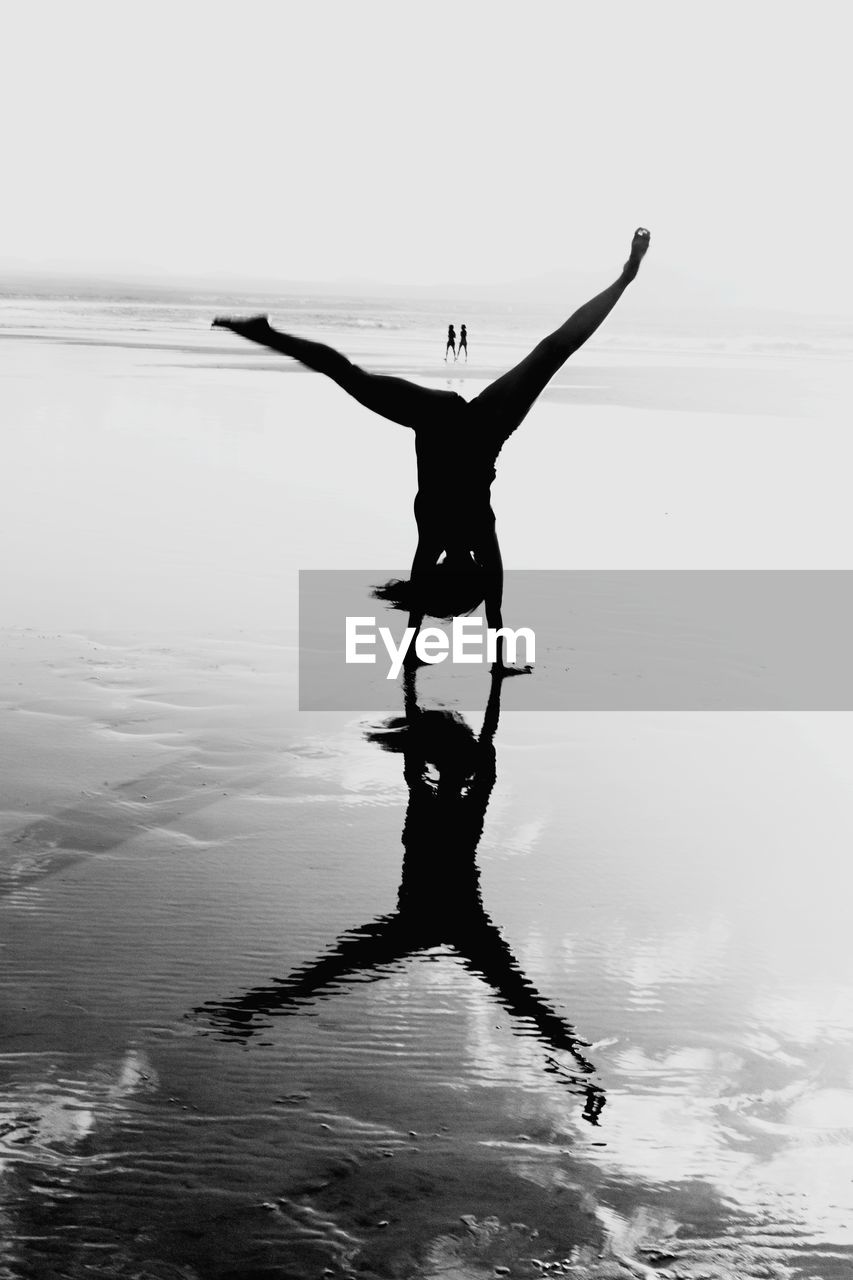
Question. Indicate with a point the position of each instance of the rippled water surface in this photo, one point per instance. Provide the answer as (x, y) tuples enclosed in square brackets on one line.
[(468, 989)]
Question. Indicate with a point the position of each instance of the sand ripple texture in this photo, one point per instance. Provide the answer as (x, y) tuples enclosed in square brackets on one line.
[(180, 858)]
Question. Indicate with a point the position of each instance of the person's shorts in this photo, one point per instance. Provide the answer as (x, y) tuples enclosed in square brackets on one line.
[(453, 519)]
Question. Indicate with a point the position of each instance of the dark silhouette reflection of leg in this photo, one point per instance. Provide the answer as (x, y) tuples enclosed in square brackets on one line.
[(450, 773), (486, 953), (357, 956)]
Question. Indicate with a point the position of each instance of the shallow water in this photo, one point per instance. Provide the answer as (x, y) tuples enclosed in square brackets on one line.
[(603, 1015)]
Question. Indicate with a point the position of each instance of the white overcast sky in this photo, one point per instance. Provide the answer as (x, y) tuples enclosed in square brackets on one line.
[(431, 142)]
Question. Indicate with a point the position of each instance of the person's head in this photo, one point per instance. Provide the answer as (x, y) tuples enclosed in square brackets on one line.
[(454, 587), (442, 739)]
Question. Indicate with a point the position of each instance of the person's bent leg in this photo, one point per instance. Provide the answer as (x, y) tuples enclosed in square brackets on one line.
[(507, 401)]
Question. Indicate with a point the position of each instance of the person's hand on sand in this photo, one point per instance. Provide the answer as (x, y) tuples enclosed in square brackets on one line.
[(501, 671), (245, 326), (639, 247)]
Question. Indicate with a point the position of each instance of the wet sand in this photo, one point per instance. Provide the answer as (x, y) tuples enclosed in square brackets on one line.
[(177, 838)]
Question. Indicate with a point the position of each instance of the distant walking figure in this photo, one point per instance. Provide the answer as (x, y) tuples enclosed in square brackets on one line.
[(463, 342), (457, 442), (451, 342)]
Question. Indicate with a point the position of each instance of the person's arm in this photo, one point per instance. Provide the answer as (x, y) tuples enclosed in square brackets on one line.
[(493, 711), (488, 554), (393, 398)]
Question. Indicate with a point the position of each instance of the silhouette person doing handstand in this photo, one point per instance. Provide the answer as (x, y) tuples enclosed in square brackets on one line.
[(457, 442), (439, 901), (463, 342), (451, 342)]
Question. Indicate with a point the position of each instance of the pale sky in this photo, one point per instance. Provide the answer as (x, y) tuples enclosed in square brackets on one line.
[(432, 142)]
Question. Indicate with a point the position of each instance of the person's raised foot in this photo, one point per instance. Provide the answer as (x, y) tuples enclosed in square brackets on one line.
[(639, 247), (245, 326)]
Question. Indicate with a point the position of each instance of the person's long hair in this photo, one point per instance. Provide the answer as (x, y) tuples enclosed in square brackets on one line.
[(456, 586), (443, 739)]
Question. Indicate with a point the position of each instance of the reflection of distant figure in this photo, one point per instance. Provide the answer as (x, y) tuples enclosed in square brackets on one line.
[(450, 774), (463, 342), (451, 341)]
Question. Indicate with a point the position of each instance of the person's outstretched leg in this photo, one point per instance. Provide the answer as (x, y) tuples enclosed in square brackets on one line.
[(394, 398), (505, 404), (373, 946), (483, 949)]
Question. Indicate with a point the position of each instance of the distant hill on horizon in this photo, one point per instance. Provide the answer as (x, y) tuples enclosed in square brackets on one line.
[(659, 291)]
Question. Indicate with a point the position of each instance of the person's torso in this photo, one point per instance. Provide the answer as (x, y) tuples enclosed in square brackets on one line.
[(454, 459)]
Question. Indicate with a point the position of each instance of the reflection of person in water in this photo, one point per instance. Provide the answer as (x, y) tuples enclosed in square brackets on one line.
[(439, 900), (457, 444), (451, 342), (463, 342)]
